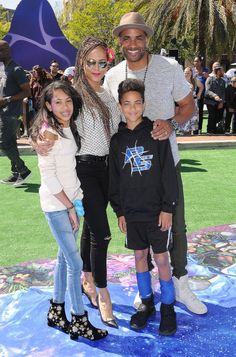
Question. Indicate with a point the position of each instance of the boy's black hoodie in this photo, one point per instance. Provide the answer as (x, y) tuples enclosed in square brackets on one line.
[(143, 179)]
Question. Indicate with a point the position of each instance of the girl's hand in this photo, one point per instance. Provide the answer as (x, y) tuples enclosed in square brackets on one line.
[(165, 221), (122, 224), (73, 219)]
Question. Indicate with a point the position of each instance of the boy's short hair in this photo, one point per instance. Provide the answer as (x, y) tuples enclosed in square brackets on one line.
[(131, 85)]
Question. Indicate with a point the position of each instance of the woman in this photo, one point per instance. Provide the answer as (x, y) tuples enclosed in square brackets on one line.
[(197, 89), (196, 85), (201, 73), (38, 82), (100, 119)]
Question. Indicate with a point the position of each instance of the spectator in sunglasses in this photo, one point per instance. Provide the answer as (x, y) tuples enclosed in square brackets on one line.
[(100, 119), (54, 71)]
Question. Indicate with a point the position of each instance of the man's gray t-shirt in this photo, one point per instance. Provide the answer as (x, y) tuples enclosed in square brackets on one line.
[(164, 85)]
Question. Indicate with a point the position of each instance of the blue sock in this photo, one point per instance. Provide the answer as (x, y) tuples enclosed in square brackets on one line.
[(167, 291), (144, 284)]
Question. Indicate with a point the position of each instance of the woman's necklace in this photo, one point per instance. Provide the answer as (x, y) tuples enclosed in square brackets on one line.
[(145, 73)]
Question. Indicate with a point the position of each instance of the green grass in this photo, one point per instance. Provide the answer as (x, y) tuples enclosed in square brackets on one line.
[(209, 178)]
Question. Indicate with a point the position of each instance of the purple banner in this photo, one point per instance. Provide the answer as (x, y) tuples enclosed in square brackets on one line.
[(36, 38)]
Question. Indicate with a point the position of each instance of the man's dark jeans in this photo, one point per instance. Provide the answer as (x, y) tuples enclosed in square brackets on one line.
[(178, 254), (8, 144), (215, 115)]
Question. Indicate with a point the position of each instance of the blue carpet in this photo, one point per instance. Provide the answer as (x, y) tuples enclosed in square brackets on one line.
[(212, 271), (23, 329)]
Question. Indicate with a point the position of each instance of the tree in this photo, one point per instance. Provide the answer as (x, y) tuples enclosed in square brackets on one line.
[(96, 18), (207, 25), (4, 24)]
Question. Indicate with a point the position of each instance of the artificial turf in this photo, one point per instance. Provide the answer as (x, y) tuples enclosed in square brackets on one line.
[(209, 178)]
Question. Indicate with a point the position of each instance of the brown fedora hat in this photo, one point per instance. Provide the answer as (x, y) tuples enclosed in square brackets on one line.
[(132, 20)]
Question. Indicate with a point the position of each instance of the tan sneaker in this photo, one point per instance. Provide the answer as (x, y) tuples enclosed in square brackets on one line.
[(184, 295)]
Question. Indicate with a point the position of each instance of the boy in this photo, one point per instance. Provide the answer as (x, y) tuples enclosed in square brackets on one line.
[(143, 194)]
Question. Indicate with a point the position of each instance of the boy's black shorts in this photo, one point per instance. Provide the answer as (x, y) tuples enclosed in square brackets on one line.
[(142, 235)]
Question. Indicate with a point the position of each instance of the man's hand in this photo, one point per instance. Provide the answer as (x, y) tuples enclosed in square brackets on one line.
[(162, 129), (165, 221), (122, 224), (217, 98)]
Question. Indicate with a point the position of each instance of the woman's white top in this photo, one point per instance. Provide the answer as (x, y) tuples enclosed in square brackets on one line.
[(94, 140), (58, 173)]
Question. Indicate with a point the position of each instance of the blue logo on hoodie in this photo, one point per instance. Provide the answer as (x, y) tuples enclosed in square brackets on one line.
[(137, 160)]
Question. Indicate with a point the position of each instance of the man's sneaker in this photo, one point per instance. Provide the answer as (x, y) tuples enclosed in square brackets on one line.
[(22, 178), (168, 324), (145, 310), (184, 295), (11, 180)]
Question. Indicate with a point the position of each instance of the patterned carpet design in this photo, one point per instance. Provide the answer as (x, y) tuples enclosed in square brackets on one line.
[(27, 287)]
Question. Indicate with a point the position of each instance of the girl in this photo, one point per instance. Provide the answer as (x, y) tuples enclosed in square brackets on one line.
[(100, 119), (59, 191)]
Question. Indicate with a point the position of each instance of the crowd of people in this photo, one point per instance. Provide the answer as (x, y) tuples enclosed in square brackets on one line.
[(92, 149), (215, 90)]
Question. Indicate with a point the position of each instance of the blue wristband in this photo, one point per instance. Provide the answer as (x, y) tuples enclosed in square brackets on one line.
[(79, 207)]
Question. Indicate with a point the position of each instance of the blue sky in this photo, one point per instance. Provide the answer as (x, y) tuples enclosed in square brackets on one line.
[(12, 4)]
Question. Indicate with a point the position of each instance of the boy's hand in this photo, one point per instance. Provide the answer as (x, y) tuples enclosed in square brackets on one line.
[(165, 221), (122, 224)]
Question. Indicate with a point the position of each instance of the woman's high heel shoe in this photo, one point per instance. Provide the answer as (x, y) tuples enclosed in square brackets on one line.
[(90, 294), (102, 308)]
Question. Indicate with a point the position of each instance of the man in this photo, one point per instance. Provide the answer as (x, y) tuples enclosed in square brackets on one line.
[(164, 85), (14, 86), (54, 68), (214, 66), (215, 99)]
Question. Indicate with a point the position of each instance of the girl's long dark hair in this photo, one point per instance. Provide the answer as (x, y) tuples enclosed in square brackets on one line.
[(44, 115), (90, 98)]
